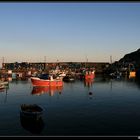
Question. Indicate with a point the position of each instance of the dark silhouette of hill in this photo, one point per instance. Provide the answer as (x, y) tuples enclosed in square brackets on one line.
[(133, 57)]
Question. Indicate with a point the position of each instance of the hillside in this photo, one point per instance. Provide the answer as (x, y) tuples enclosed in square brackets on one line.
[(133, 57)]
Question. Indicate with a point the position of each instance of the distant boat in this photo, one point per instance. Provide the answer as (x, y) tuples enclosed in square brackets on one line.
[(132, 74), (132, 71), (46, 82), (69, 78), (89, 75), (62, 74), (4, 82)]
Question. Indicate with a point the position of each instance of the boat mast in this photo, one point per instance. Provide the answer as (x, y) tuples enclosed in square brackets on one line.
[(45, 61), (111, 59), (2, 61), (86, 61)]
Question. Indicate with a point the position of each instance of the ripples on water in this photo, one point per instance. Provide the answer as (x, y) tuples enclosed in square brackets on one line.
[(102, 107)]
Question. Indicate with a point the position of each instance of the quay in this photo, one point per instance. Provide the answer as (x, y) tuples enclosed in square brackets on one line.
[(41, 66), (27, 69)]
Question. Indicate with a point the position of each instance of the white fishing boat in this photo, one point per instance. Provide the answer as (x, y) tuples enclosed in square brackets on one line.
[(2, 87), (4, 82)]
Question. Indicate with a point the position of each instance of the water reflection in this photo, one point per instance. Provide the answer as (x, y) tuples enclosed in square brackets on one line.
[(9, 79), (35, 126), (31, 118), (138, 82), (49, 90), (2, 89), (92, 99), (88, 82), (135, 81), (5, 89), (90, 94)]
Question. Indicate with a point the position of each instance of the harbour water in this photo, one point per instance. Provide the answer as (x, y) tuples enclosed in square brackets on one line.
[(105, 107)]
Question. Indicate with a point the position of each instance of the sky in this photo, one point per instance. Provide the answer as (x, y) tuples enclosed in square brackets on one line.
[(68, 32)]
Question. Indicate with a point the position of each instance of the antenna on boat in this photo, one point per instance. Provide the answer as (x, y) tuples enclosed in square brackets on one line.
[(86, 61), (45, 61)]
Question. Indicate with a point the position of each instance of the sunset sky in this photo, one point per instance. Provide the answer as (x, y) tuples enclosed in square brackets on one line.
[(68, 31)]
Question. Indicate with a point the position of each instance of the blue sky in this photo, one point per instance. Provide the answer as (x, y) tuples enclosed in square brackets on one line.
[(68, 31)]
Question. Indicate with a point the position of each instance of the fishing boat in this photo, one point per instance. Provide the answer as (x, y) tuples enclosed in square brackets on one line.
[(131, 71), (86, 73), (69, 78), (63, 74), (36, 81), (89, 75), (4, 82), (132, 74)]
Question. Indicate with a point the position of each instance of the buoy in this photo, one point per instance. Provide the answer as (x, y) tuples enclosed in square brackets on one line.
[(90, 93)]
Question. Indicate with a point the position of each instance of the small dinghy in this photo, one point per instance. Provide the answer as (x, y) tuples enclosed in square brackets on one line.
[(31, 110), (31, 118)]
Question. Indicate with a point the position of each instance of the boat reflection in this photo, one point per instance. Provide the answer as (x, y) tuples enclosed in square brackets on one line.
[(31, 119), (46, 90), (2, 88), (88, 82)]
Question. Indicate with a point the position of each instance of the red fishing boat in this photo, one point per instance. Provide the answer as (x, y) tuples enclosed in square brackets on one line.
[(89, 75), (46, 82)]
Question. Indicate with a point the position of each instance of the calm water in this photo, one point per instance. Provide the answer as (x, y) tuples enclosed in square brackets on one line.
[(112, 108)]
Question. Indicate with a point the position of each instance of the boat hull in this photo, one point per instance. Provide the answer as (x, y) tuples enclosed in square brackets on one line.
[(42, 82), (89, 76), (31, 111)]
